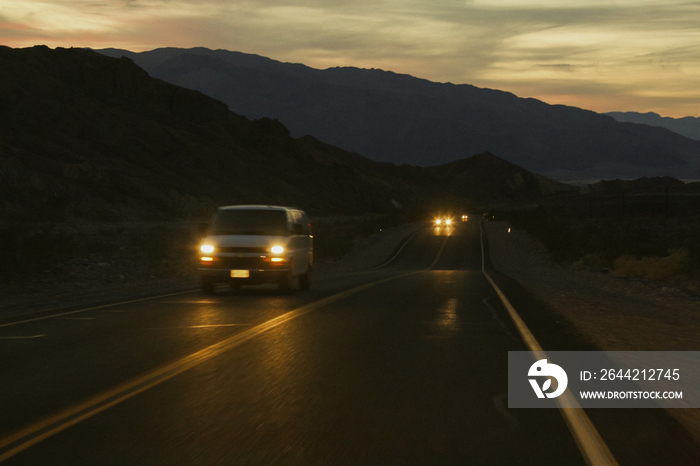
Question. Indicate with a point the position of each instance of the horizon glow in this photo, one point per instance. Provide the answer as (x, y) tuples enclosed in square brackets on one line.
[(601, 55)]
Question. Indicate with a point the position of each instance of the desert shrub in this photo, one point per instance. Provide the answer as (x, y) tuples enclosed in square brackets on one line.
[(162, 248), (598, 242), (590, 260), (94, 245), (28, 249), (334, 237), (47, 246), (677, 263), (9, 253), (152, 246), (565, 243)]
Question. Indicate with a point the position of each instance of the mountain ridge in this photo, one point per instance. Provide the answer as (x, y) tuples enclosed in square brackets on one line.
[(86, 136), (686, 126), (402, 119)]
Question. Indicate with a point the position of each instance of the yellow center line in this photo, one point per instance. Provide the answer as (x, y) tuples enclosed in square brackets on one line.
[(45, 428), (214, 325)]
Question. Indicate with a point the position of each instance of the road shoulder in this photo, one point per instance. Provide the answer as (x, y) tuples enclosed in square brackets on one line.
[(614, 314)]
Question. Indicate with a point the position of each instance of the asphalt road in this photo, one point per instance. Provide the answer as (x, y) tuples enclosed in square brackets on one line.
[(404, 364)]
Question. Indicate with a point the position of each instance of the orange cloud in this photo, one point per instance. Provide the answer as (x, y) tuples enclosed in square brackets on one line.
[(634, 55)]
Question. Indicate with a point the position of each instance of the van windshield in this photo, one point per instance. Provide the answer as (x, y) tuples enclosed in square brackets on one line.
[(250, 222)]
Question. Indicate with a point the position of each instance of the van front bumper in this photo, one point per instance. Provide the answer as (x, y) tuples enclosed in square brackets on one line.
[(255, 276)]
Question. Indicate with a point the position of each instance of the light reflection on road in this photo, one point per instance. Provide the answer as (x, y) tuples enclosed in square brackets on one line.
[(448, 320), (443, 231)]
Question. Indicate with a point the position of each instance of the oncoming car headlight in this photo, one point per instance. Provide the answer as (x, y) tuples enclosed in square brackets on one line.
[(206, 248), (448, 221), (438, 221), (277, 249)]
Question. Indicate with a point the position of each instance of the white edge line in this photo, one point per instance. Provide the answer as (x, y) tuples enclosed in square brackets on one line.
[(27, 337), (52, 316), (589, 441)]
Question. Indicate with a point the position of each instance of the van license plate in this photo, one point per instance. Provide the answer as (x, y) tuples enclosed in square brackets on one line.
[(240, 273)]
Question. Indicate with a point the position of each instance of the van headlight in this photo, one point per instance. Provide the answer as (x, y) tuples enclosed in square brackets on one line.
[(277, 249), (206, 248)]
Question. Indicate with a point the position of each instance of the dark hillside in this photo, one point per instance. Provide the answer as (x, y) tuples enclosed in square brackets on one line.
[(398, 118), (87, 136), (84, 135), (494, 180)]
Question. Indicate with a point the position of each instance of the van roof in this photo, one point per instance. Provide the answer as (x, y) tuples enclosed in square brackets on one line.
[(256, 207)]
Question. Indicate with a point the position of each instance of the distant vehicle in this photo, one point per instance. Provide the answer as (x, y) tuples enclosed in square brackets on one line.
[(465, 218), (443, 221), (255, 244)]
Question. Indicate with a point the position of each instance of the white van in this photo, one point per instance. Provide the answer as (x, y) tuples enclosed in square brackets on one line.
[(254, 244)]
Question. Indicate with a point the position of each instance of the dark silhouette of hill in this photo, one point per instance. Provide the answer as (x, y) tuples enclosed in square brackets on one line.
[(686, 126), (83, 135), (491, 179), (398, 118)]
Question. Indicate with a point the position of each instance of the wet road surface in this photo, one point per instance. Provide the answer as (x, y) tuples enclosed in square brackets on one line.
[(404, 364)]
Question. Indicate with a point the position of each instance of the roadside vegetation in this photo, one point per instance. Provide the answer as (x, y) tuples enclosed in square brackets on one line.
[(93, 254), (89, 253), (334, 237), (651, 247)]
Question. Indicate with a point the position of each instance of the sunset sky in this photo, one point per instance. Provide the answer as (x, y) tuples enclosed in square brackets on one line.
[(602, 55)]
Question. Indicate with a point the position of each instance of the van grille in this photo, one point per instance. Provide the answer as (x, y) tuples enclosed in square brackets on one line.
[(243, 263), (256, 249)]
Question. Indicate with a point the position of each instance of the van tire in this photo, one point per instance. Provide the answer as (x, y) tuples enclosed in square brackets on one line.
[(305, 280), (207, 286), (286, 284), (286, 280)]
